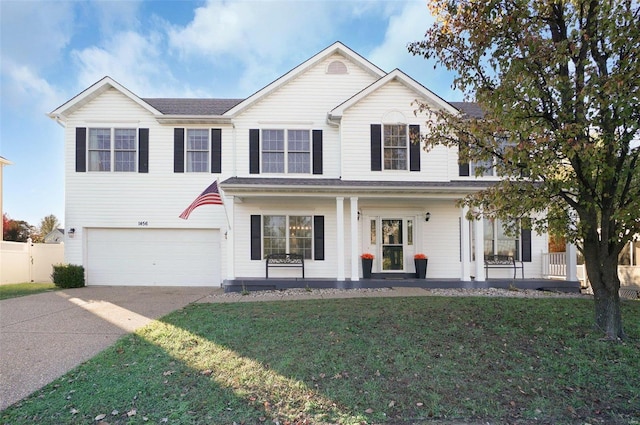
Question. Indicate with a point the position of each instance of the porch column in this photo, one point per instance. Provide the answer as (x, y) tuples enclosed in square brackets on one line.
[(571, 262), (340, 237), (465, 244), (228, 235), (355, 274), (478, 231)]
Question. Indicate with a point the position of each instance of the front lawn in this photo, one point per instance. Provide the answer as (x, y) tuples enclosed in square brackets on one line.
[(355, 361), (14, 290)]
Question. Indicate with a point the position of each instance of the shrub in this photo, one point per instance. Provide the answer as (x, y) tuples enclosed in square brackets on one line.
[(68, 276)]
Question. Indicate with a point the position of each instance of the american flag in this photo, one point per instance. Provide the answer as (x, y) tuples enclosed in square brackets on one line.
[(210, 196)]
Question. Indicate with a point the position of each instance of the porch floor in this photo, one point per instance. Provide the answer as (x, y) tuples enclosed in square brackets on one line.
[(275, 283)]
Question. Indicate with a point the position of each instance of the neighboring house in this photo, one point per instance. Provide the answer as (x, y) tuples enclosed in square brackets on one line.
[(319, 162), (55, 236)]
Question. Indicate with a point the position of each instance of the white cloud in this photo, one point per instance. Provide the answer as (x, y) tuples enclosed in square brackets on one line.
[(405, 26), (26, 87)]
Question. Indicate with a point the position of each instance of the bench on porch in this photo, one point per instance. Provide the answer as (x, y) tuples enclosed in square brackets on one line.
[(502, 262), (284, 260)]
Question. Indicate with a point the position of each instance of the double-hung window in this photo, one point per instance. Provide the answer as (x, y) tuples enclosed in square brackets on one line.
[(290, 234), (121, 155), (286, 151), (395, 146), (498, 242), (197, 150)]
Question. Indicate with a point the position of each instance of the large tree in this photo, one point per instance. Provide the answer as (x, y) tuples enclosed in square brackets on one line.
[(558, 83), (48, 224)]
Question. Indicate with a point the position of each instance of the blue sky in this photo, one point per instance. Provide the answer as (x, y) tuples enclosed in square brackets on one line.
[(52, 50)]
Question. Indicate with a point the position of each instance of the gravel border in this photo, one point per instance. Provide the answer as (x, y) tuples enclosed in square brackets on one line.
[(363, 292)]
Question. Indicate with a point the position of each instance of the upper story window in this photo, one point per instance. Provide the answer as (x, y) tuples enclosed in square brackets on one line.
[(112, 149), (197, 150), (395, 145), (286, 151)]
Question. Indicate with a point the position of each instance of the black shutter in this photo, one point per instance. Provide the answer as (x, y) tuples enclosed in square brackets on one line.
[(376, 147), (216, 150), (317, 151), (414, 148), (526, 245), (256, 237), (318, 237), (178, 150), (254, 151), (81, 149), (463, 169), (143, 150)]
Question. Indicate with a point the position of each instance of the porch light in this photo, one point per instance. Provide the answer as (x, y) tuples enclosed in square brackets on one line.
[(427, 216)]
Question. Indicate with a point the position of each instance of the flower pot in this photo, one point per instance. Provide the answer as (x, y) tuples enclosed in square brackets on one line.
[(366, 268), (421, 267)]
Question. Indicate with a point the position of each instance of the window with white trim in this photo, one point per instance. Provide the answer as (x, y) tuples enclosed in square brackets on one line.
[(121, 155), (395, 147), (287, 234), (197, 150), (286, 151), (498, 242)]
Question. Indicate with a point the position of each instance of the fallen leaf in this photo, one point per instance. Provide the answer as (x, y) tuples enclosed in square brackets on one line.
[(168, 372), (100, 417), (132, 412), (419, 404), (392, 403), (207, 372), (369, 411), (74, 412), (114, 412)]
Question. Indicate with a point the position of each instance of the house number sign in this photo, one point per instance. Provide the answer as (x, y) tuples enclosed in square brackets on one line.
[(143, 223)]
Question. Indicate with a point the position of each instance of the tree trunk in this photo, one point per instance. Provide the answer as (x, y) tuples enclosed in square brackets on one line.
[(603, 276)]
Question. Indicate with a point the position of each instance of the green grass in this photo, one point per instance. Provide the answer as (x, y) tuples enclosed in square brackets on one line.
[(355, 361), (21, 289)]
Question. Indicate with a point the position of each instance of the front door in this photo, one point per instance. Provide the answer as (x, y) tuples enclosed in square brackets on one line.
[(393, 244)]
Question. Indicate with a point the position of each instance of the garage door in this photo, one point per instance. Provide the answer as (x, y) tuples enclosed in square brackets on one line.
[(153, 257)]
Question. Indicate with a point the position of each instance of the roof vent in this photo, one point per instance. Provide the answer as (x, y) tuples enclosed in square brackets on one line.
[(337, 67)]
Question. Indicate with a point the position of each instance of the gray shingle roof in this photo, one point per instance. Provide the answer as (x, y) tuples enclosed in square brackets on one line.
[(182, 106), (186, 106), (471, 109)]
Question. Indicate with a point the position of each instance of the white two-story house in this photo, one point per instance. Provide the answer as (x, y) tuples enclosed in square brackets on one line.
[(320, 162)]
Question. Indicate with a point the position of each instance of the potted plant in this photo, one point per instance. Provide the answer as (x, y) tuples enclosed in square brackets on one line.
[(420, 261), (367, 263)]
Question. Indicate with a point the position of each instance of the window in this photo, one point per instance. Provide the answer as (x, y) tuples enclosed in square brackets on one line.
[(395, 147), (119, 156), (487, 168), (497, 242), (197, 151), (125, 149), (286, 151), (291, 234)]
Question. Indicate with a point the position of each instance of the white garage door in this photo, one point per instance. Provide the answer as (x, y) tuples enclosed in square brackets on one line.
[(153, 257)]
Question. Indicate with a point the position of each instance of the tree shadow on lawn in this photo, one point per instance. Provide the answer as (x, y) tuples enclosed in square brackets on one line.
[(354, 361), (407, 359)]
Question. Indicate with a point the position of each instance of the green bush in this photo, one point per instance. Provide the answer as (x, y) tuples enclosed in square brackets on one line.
[(68, 276)]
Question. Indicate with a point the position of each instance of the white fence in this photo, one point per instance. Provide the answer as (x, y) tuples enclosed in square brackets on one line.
[(554, 267), (28, 262)]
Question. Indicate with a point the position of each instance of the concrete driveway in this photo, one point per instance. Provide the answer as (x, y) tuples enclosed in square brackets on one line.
[(44, 336)]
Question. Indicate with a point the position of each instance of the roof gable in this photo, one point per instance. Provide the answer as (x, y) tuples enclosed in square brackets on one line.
[(336, 47), (86, 96), (395, 75)]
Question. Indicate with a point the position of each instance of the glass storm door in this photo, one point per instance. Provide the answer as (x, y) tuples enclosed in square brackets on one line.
[(392, 245)]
